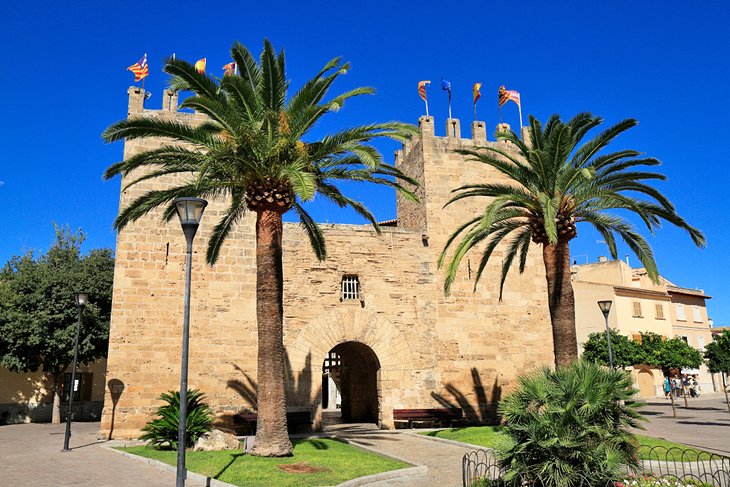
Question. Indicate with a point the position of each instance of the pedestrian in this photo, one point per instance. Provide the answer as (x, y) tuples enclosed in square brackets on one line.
[(667, 387)]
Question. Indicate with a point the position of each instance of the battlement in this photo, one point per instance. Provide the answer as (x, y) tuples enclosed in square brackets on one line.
[(138, 96), (452, 139)]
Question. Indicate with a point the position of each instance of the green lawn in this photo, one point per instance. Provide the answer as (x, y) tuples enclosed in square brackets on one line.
[(334, 461), (490, 436)]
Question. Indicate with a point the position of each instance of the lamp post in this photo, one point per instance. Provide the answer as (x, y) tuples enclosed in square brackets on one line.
[(605, 309), (81, 300), (190, 212)]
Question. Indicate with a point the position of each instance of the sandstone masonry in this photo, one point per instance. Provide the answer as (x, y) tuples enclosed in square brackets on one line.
[(402, 343)]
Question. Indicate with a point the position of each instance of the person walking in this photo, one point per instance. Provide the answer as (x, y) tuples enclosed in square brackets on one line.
[(667, 388)]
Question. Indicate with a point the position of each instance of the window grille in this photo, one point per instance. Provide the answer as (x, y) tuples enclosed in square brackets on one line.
[(637, 310), (350, 288), (659, 312), (332, 362), (82, 391)]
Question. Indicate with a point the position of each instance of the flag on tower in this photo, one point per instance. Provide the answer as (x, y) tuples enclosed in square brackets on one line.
[(507, 95), (229, 68), (200, 65), (140, 68), (446, 86), (422, 92), (477, 94)]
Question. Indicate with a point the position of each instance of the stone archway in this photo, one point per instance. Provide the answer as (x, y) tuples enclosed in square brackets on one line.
[(354, 369), (369, 338)]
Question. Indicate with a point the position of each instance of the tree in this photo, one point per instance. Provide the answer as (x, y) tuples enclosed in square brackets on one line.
[(623, 351), (672, 354), (717, 358), (38, 316), (252, 150), (559, 183)]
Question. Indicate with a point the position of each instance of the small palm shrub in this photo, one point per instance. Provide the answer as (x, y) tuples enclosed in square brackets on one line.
[(569, 425), (161, 432)]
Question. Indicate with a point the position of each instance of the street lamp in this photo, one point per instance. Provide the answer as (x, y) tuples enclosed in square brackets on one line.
[(605, 309), (190, 212), (81, 300)]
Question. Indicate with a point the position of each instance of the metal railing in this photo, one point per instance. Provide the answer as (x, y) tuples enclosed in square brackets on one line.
[(671, 467)]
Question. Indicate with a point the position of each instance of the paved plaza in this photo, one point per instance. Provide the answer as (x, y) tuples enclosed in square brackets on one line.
[(31, 453)]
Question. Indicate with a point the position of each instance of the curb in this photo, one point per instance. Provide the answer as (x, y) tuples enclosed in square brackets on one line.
[(450, 442), (412, 473), (192, 477)]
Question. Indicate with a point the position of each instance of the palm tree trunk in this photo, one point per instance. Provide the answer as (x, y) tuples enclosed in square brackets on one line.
[(272, 439), (561, 302)]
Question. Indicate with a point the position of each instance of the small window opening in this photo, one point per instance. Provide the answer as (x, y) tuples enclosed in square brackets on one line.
[(350, 287)]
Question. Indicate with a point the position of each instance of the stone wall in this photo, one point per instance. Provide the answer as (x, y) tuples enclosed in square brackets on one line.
[(464, 350)]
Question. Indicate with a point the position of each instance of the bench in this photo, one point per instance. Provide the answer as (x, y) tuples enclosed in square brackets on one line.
[(426, 417), (245, 423)]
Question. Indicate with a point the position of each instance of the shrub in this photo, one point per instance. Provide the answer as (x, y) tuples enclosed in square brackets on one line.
[(161, 432), (570, 424)]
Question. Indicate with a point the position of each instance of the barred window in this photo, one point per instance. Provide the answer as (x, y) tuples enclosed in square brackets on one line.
[(637, 310), (350, 287), (659, 312), (82, 388)]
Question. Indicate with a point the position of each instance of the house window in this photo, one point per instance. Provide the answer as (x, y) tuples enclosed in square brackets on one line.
[(350, 288), (82, 391), (701, 343), (696, 314), (685, 339), (637, 309), (680, 312), (659, 312)]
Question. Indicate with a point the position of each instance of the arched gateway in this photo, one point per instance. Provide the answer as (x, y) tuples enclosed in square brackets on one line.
[(351, 384), (362, 353)]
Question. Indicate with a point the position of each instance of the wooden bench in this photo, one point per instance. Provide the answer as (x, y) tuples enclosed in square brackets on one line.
[(245, 423), (426, 417)]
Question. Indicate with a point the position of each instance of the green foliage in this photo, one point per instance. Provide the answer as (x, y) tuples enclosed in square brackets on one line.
[(717, 353), (38, 315), (649, 347), (255, 137), (569, 424), (674, 353), (562, 181), (624, 351), (162, 432)]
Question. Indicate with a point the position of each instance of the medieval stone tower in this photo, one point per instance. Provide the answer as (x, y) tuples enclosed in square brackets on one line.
[(372, 318)]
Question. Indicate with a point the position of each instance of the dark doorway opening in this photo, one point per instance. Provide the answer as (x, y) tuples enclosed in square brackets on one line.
[(350, 374)]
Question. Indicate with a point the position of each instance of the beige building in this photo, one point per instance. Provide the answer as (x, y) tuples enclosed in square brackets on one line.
[(640, 305), (372, 317), (28, 397)]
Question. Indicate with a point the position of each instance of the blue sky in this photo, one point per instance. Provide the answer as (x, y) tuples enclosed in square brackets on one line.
[(665, 64)]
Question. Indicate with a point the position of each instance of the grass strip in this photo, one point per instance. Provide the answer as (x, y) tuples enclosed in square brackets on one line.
[(492, 437), (315, 462)]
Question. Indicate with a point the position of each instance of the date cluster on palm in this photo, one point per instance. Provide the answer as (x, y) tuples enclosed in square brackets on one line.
[(565, 225), (268, 194)]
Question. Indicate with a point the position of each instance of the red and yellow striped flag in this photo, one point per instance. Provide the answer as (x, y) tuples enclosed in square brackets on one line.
[(422, 89), (140, 68), (477, 94), (229, 68), (200, 65), (507, 95)]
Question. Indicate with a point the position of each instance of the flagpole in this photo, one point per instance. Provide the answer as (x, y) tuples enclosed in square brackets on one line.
[(475, 111), (500, 114), (519, 108), (449, 103), (426, 101)]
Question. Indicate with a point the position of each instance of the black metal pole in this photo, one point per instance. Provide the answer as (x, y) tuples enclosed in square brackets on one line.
[(67, 436), (608, 339), (189, 231)]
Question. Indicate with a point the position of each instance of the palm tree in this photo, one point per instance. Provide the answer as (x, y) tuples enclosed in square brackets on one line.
[(557, 181), (252, 151)]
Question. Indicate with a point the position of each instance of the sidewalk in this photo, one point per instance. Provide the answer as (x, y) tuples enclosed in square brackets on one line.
[(705, 424), (31, 456), (442, 459)]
